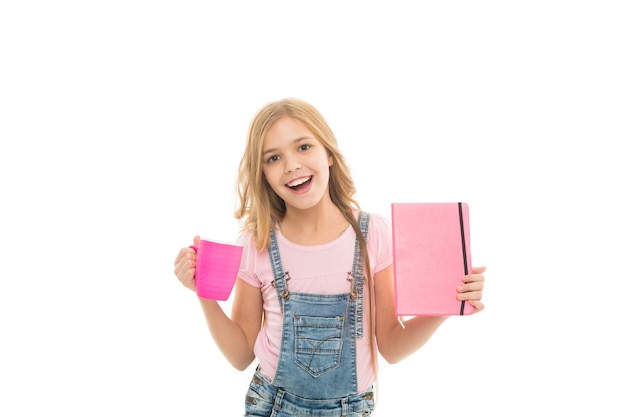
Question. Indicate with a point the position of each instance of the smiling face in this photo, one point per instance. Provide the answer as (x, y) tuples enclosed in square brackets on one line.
[(296, 164)]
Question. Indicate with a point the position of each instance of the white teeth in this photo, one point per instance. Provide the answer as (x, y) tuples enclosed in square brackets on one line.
[(297, 182)]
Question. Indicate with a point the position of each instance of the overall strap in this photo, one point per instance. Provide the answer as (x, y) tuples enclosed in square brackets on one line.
[(280, 277), (358, 278)]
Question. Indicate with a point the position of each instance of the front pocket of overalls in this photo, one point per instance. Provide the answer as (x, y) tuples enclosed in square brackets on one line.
[(259, 401), (318, 343)]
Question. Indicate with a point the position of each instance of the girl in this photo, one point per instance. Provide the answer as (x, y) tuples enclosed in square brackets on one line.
[(314, 301)]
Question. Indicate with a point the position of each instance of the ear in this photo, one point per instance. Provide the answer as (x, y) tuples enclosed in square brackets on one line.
[(331, 160)]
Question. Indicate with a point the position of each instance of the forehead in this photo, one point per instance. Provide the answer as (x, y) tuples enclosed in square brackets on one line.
[(287, 129)]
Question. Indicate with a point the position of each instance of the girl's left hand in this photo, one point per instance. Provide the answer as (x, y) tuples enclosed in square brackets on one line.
[(472, 290)]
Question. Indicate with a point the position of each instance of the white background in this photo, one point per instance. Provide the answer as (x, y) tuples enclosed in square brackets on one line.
[(122, 124)]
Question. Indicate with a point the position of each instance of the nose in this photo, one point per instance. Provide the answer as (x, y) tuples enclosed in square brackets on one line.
[(292, 164)]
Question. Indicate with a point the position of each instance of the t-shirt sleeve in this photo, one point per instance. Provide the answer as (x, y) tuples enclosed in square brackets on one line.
[(249, 258), (379, 242)]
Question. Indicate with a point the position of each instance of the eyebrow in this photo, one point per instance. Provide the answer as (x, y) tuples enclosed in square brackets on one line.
[(296, 140)]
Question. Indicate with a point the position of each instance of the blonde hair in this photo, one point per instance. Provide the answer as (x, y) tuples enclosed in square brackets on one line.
[(260, 207)]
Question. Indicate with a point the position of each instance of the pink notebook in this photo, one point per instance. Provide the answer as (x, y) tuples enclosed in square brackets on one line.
[(431, 250)]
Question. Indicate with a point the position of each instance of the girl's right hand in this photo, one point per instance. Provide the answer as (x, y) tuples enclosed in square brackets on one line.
[(185, 265)]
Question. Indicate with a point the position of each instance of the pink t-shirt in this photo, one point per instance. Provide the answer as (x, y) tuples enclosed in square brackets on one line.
[(319, 269)]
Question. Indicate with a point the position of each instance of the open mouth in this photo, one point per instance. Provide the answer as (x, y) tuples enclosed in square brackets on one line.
[(299, 183)]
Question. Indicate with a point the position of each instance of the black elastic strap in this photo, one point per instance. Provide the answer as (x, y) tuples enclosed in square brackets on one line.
[(464, 251)]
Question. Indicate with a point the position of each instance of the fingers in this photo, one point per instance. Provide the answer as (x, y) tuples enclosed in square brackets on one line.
[(472, 288), (185, 267), (187, 278), (470, 294), (184, 251), (479, 269), (478, 305), (474, 298), (181, 254), (473, 282), (186, 259)]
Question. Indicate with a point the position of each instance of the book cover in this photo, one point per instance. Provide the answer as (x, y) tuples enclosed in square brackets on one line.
[(431, 250)]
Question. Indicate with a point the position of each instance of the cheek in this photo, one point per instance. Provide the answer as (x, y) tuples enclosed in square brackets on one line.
[(271, 191), (268, 172), (270, 179)]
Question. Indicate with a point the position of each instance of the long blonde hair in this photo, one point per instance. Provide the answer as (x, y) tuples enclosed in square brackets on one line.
[(260, 206)]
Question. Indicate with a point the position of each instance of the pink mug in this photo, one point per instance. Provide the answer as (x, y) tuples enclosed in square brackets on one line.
[(217, 266)]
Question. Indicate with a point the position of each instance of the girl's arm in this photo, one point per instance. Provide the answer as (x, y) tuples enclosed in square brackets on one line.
[(235, 336), (395, 342)]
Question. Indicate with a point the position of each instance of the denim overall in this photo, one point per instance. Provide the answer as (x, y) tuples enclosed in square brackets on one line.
[(316, 372)]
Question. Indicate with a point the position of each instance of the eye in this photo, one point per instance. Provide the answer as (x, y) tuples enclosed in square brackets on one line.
[(304, 147), (272, 159)]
